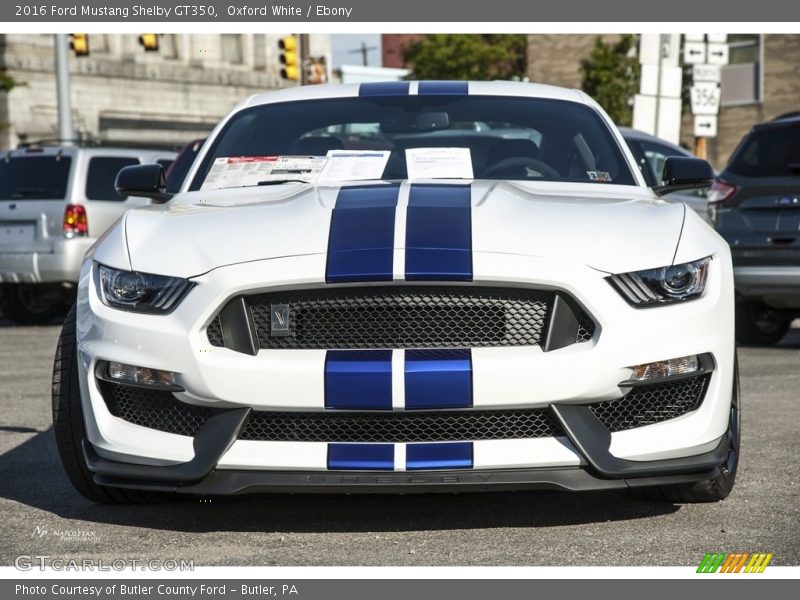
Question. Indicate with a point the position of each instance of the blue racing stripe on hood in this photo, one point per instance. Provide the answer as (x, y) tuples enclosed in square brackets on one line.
[(443, 88), (439, 233), (361, 240), (384, 88)]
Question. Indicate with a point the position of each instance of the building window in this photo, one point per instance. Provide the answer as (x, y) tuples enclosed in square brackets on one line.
[(741, 78), (232, 48)]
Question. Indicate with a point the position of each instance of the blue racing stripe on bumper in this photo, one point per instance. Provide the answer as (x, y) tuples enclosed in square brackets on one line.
[(363, 457), (361, 240), (439, 233), (446, 455), (443, 88), (438, 379), (384, 88), (358, 379)]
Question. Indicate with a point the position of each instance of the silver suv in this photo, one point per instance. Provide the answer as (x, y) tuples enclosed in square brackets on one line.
[(55, 201)]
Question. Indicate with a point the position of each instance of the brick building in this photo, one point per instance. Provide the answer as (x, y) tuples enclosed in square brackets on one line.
[(761, 82), (124, 95), (393, 44)]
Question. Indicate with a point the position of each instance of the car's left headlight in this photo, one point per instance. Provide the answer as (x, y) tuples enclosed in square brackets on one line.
[(664, 285), (142, 292)]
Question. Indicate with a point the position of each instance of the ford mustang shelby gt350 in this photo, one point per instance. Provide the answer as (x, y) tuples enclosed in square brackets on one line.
[(398, 287)]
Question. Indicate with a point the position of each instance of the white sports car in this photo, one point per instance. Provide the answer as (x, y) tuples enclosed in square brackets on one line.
[(399, 287)]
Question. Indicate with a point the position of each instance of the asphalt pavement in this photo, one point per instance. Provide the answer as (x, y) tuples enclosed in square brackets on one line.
[(42, 515)]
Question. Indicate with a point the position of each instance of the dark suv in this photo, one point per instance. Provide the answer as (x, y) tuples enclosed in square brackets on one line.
[(755, 206)]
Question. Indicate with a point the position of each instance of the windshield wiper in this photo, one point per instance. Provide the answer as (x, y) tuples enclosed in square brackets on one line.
[(281, 181)]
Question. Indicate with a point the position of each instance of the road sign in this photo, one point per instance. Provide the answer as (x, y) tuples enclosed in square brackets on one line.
[(717, 54), (708, 73), (705, 126), (694, 37), (694, 53), (670, 84), (659, 48), (717, 38), (705, 98)]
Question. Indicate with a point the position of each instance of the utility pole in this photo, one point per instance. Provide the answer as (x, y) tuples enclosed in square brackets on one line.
[(305, 55), (363, 52), (66, 133)]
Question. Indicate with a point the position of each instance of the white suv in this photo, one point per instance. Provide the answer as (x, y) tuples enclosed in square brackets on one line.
[(55, 201)]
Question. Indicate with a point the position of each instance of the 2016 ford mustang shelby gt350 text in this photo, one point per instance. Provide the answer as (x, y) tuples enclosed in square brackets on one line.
[(404, 286)]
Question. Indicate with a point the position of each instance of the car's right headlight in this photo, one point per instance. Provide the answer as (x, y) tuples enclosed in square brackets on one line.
[(664, 285), (142, 292)]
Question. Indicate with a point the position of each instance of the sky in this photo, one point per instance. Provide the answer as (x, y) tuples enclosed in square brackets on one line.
[(342, 44)]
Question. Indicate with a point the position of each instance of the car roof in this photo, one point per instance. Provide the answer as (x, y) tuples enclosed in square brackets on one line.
[(788, 119), (34, 150), (476, 88), (634, 134)]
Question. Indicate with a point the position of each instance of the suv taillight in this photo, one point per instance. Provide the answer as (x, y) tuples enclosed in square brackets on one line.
[(75, 222), (721, 191)]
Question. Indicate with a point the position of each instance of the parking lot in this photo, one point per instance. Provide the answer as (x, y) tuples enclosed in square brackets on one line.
[(43, 515)]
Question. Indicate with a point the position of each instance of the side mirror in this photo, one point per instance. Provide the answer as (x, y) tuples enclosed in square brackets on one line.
[(143, 180), (683, 173)]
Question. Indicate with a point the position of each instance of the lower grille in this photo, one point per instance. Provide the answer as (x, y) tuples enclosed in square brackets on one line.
[(441, 426), (650, 404), (643, 405)]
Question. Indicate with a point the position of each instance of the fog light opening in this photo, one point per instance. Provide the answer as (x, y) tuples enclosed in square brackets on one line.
[(139, 375), (666, 368)]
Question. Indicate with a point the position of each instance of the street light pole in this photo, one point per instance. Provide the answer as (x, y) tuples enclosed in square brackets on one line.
[(66, 133)]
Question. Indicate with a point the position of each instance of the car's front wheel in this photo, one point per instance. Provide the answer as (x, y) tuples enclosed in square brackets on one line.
[(758, 324), (709, 490), (70, 429)]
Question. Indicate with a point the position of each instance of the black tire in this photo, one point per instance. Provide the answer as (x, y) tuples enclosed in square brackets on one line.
[(710, 490), (70, 429), (30, 304), (759, 325)]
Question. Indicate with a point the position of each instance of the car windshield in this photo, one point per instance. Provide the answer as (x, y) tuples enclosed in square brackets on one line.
[(769, 152), (34, 178), (499, 137)]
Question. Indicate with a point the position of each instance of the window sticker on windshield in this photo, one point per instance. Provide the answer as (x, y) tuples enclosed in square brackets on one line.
[(242, 171), (599, 176), (359, 165), (439, 163)]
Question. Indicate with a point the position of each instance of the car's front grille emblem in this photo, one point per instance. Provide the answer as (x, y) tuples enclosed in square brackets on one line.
[(279, 320)]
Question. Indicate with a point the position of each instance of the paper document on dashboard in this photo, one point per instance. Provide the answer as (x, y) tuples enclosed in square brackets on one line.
[(354, 165), (439, 163)]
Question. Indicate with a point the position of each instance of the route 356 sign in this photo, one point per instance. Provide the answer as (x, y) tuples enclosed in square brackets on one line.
[(705, 98)]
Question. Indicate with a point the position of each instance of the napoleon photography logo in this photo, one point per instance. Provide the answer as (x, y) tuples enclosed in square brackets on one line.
[(65, 535), (734, 562)]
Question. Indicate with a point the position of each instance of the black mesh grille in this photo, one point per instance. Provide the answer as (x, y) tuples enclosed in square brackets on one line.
[(401, 427), (405, 317), (214, 332), (155, 409), (643, 405), (649, 404)]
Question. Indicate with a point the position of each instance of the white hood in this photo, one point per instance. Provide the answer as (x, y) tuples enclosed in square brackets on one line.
[(610, 228)]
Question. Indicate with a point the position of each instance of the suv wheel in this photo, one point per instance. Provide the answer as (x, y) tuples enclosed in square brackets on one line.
[(29, 304), (758, 324), (70, 429)]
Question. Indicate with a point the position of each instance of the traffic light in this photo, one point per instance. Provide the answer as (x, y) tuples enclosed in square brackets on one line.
[(289, 58), (149, 41), (79, 43), (316, 70)]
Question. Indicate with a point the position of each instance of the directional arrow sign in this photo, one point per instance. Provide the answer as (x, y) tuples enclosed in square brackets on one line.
[(717, 54), (705, 98), (705, 126), (694, 53), (709, 73)]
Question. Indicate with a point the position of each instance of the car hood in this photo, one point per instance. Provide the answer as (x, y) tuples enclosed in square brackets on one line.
[(607, 227)]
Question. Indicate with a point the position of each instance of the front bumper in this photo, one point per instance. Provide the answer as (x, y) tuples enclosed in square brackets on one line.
[(778, 285), (562, 381)]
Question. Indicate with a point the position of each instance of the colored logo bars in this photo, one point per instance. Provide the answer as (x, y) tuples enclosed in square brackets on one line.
[(734, 562)]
